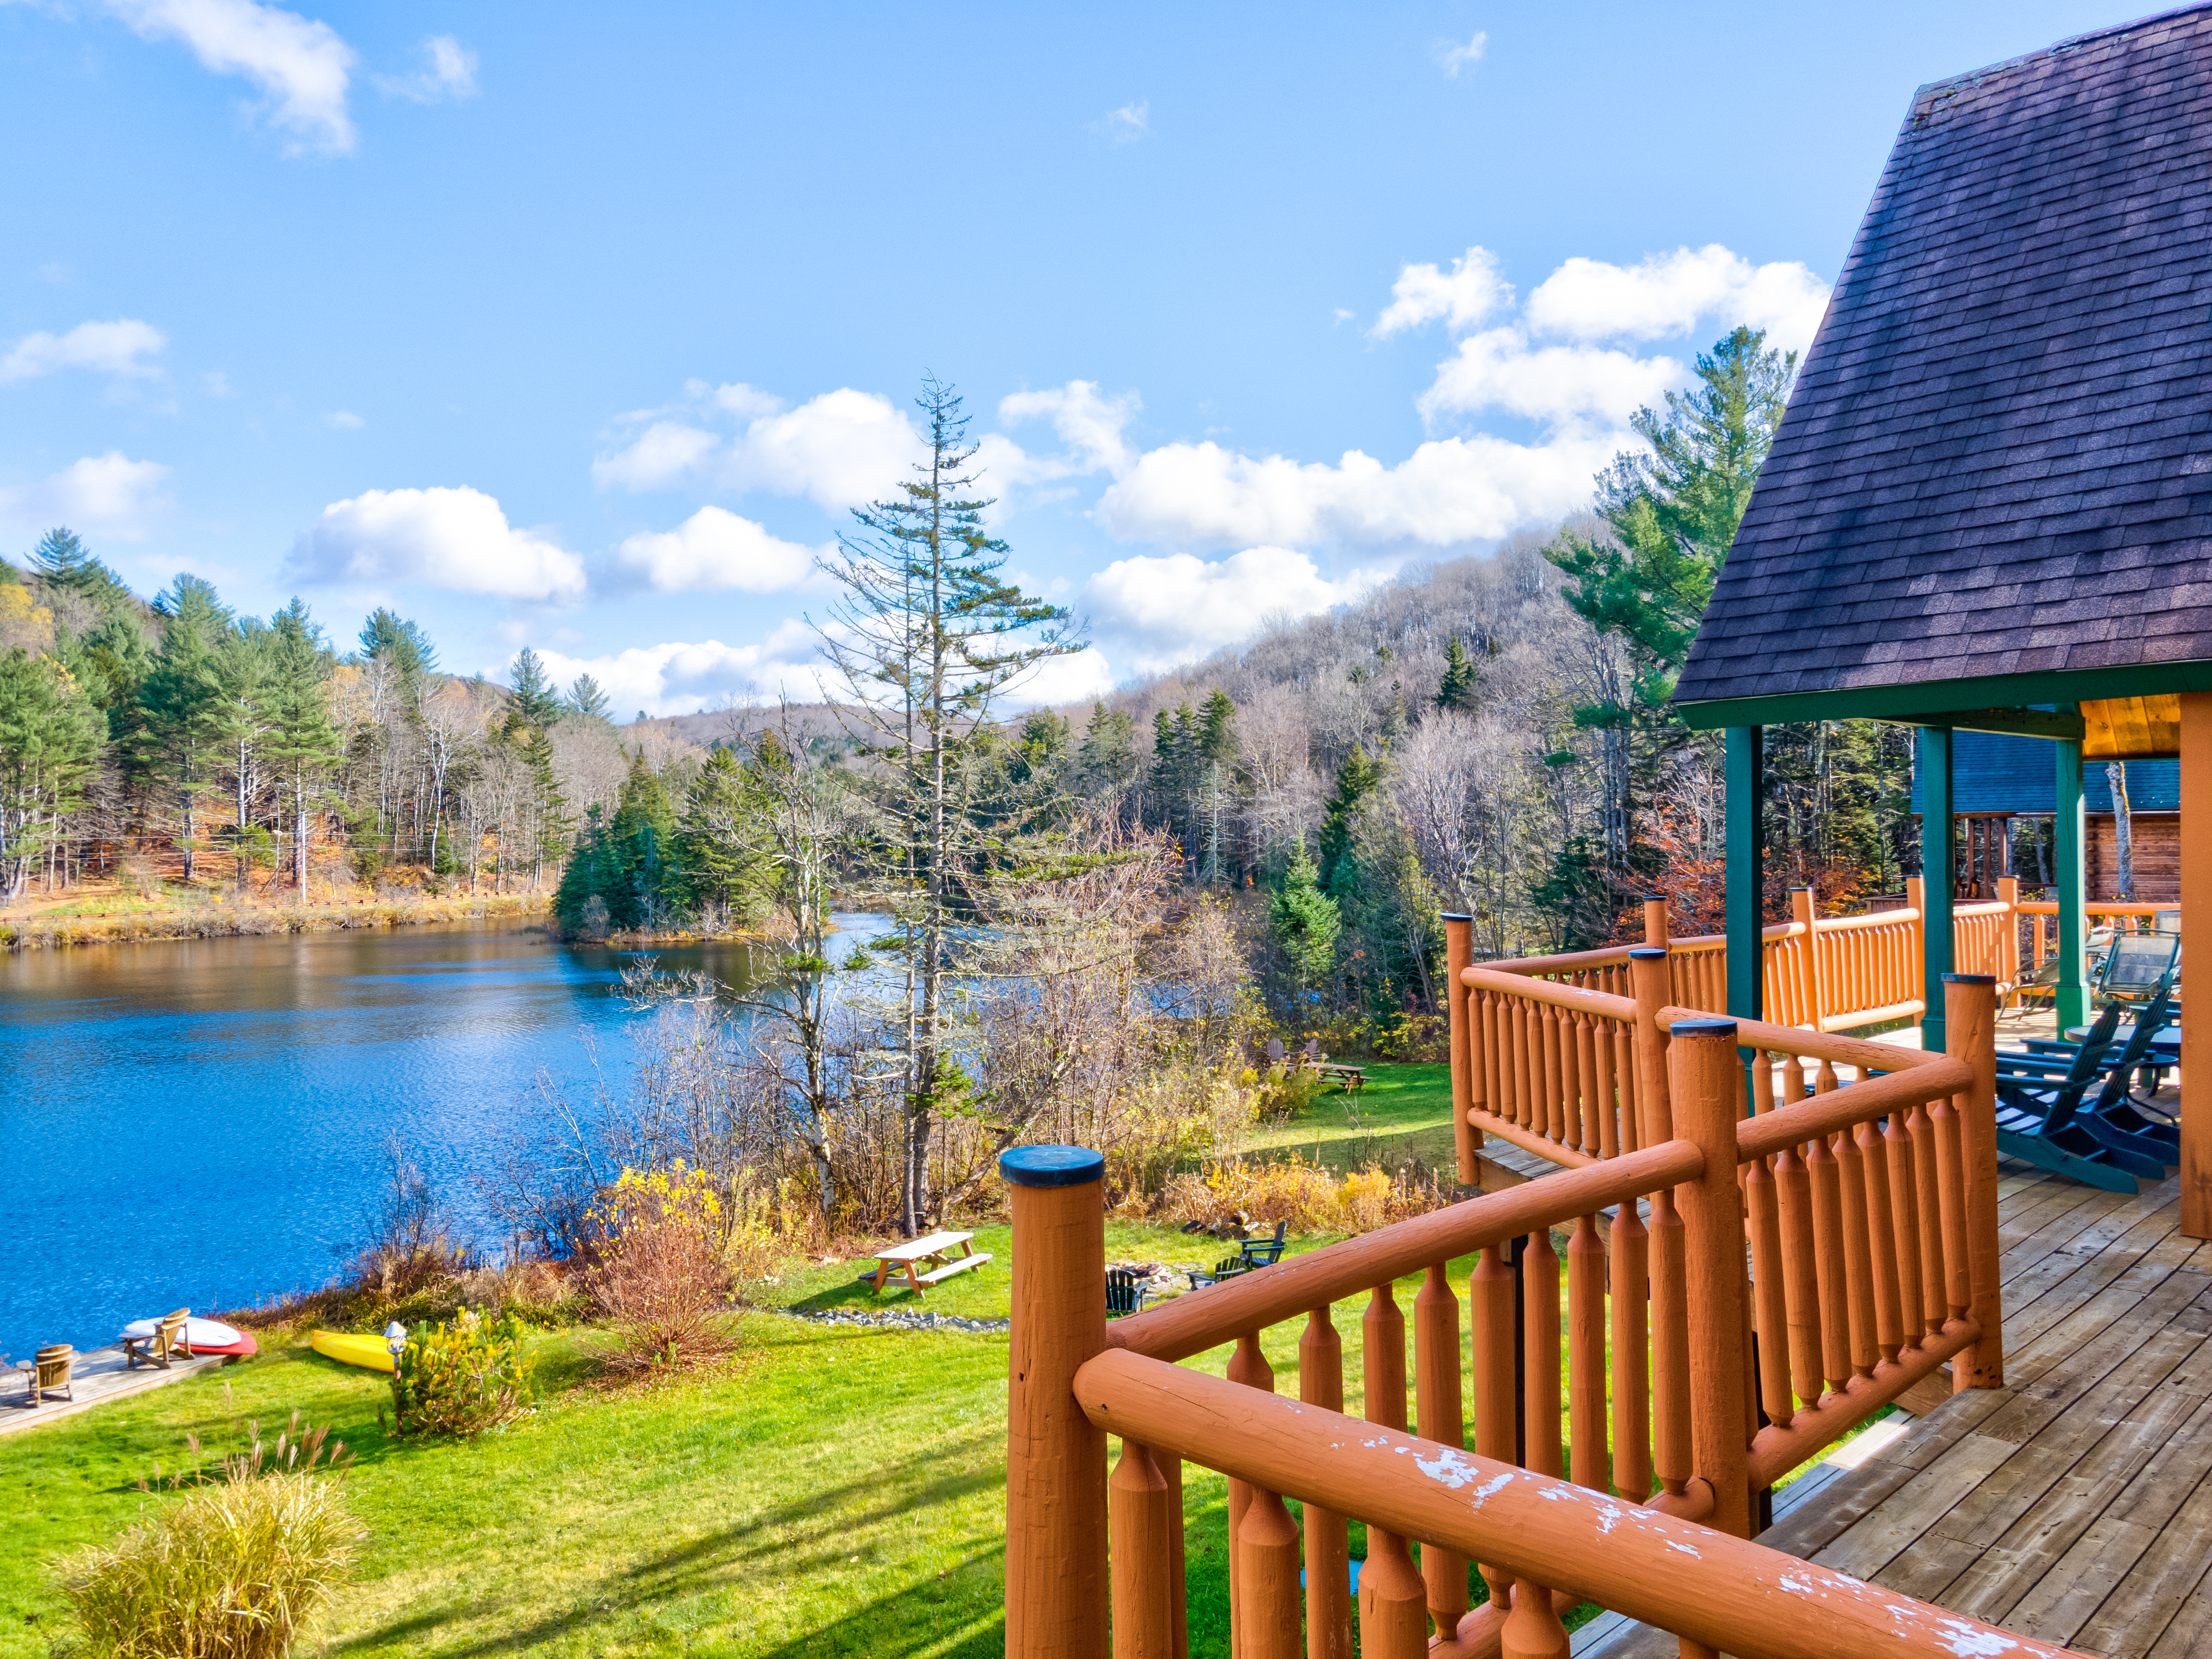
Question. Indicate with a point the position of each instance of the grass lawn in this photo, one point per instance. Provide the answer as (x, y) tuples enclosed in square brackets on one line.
[(1405, 1111)]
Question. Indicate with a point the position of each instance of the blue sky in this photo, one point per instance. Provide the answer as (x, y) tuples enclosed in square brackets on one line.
[(580, 327)]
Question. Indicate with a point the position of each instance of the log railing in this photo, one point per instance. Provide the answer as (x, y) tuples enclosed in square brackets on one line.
[(1803, 1265)]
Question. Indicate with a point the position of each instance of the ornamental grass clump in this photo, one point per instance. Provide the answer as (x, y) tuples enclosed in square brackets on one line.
[(231, 1570), (463, 1377)]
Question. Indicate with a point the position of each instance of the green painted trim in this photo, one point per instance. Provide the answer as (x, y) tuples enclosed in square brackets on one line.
[(1938, 866), (1747, 872), (2070, 994), (1906, 702), (2011, 722)]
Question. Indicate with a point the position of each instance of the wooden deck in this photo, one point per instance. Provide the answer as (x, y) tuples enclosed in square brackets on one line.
[(2072, 1504), (102, 1375)]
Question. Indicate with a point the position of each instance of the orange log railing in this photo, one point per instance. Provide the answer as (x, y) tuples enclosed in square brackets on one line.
[(1803, 1265)]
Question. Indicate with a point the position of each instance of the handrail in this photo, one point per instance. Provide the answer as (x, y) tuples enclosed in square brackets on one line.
[(1843, 1108), (1577, 997), (1821, 1045), (1192, 1324), (1733, 1595)]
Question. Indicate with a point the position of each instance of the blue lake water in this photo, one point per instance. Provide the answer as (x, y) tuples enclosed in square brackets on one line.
[(203, 1122)]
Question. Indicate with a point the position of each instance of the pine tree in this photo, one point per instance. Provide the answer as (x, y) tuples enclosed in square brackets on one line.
[(409, 646), (180, 704), (532, 703), (244, 667), (50, 741), (1458, 688), (721, 835), (303, 745), (586, 697), (1356, 779), (927, 635), (1106, 760), (1304, 922)]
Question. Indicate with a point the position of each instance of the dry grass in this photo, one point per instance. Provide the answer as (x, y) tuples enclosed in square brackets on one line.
[(37, 933)]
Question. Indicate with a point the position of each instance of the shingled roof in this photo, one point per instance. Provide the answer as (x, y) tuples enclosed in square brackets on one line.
[(1997, 459), (1991, 774)]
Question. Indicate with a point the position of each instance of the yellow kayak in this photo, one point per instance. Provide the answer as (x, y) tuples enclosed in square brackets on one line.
[(367, 1352)]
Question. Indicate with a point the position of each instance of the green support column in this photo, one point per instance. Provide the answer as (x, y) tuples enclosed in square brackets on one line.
[(2072, 996), (1938, 872), (1747, 868)]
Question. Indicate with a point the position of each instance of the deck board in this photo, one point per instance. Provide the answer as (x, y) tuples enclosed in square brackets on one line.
[(2074, 1504)]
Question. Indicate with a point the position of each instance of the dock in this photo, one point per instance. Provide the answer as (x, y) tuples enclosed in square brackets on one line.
[(99, 1376)]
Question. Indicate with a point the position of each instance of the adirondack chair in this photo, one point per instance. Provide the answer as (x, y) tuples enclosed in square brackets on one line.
[(47, 1373), (2120, 1121), (1276, 1053), (169, 1339), (1265, 1252), (2037, 1121), (1228, 1269), (1125, 1291)]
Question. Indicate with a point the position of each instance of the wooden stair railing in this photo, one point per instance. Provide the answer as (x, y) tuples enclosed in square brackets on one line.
[(1842, 1225)]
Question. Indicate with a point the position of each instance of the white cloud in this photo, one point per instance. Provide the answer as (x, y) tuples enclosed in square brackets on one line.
[(108, 495), (448, 71), (1057, 680), (1127, 125), (300, 65), (1089, 425), (1452, 57), (1672, 292), (683, 678), (1168, 609), (344, 420), (1462, 296), (716, 548), (841, 448), (217, 383), (121, 348), (1496, 369), (1447, 491), (455, 540)]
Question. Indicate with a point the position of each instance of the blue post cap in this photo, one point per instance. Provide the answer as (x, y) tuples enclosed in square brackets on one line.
[(1645, 952), (1455, 915), (1052, 1166), (1708, 1027), (1970, 978)]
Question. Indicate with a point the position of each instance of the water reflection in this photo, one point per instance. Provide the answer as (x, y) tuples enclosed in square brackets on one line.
[(204, 1122)]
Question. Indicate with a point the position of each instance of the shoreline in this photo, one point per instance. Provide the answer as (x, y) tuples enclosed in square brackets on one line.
[(37, 933)]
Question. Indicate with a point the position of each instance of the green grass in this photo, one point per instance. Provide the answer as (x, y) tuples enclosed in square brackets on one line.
[(1405, 1111)]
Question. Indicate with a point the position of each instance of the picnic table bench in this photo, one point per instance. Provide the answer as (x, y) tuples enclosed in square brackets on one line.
[(918, 1252), (1352, 1077)]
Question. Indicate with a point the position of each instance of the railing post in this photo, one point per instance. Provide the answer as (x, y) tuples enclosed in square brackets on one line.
[(1970, 1009), (1705, 1068), (1916, 900), (1647, 970), (1056, 1529), (1655, 919), (1393, 1621), (2008, 962), (1805, 910), (1465, 1044), (1328, 1551), (1438, 1408), (1143, 1611), (1248, 1366)]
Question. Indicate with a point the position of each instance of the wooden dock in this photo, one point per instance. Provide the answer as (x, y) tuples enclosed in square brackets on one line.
[(2073, 1505), (100, 1375)]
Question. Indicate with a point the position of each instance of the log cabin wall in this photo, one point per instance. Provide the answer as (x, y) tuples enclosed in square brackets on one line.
[(2158, 857)]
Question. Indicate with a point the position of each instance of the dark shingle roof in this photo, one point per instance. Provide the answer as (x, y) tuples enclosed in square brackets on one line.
[(1998, 456), (1993, 774)]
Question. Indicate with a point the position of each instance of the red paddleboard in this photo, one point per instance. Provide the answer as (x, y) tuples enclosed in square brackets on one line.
[(202, 1336)]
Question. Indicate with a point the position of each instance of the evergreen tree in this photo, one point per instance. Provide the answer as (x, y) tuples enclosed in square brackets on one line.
[(51, 735), (1106, 760), (180, 706), (1458, 688), (387, 633), (1304, 922), (644, 839), (246, 669), (532, 703), (586, 697), (1356, 779), (927, 635), (720, 841), (66, 563), (303, 744)]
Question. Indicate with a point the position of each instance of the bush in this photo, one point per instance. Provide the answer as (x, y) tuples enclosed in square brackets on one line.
[(1308, 1196), (461, 1378), (230, 1571), (662, 1273)]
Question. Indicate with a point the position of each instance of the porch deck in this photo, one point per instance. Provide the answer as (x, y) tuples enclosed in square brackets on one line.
[(2073, 1505)]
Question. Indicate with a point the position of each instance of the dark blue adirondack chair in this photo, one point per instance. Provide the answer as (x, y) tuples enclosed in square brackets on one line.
[(1228, 1269), (1265, 1252), (1125, 1291), (2036, 1119), (2119, 1121)]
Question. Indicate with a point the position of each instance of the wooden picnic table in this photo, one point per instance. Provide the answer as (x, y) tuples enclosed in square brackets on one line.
[(915, 1253), (1352, 1077)]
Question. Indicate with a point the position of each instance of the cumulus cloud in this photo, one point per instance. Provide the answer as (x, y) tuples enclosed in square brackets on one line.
[(448, 73), (1673, 293), (1127, 125), (841, 448), (123, 348), (1471, 290), (1447, 491), (1089, 424), (714, 549), (1161, 611), (1453, 55), (343, 420), (301, 66), (458, 539), (685, 676), (108, 495), (1496, 369)]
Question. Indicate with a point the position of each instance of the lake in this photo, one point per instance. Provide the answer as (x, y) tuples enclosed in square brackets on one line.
[(203, 1122)]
